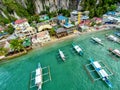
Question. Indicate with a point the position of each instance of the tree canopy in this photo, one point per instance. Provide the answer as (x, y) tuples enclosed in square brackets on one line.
[(98, 7)]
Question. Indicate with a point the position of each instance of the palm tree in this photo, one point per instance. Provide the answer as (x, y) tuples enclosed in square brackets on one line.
[(17, 45), (3, 51)]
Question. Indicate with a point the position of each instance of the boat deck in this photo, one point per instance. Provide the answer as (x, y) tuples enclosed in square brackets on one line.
[(45, 73), (94, 74)]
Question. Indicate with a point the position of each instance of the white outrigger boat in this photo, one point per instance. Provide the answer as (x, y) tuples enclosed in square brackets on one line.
[(62, 55), (113, 38), (115, 51), (97, 40), (38, 78), (101, 72), (78, 49)]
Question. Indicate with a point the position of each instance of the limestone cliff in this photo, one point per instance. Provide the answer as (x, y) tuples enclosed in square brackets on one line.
[(21, 8)]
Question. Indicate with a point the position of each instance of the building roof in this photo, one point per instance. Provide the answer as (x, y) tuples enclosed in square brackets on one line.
[(74, 12), (47, 26), (111, 13), (42, 34), (1, 29), (60, 30), (96, 18), (84, 17), (11, 37), (20, 21), (60, 17), (29, 29), (27, 42)]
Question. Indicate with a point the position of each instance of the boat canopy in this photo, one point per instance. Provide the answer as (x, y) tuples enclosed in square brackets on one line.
[(78, 48), (38, 72), (38, 79), (103, 73), (96, 64)]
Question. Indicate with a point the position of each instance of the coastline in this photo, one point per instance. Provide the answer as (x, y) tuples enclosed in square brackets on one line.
[(53, 40)]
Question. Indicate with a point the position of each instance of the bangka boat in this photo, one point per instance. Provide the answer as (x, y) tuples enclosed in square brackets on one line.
[(117, 34), (113, 38), (38, 77), (78, 49), (101, 72), (62, 55), (115, 51), (97, 40)]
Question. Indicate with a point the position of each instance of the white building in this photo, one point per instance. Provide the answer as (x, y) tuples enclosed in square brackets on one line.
[(28, 32), (43, 37), (21, 24)]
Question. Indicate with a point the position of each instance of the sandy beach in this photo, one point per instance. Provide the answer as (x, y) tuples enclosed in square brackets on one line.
[(71, 36)]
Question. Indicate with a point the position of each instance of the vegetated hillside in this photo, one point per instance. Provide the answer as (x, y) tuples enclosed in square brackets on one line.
[(11, 10), (99, 7)]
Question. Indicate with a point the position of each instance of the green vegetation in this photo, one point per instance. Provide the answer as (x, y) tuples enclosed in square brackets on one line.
[(17, 45), (52, 32), (98, 9), (10, 29), (64, 12), (3, 51)]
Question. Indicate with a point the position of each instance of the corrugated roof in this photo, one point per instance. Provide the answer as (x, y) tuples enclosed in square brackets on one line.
[(20, 21), (60, 17), (60, 30)]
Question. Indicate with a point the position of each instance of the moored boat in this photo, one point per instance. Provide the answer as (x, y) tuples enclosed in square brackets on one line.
[(117, 34), (115, 51), (113, 38), (78, 49), (61, 55), (97, 40), (38, 77), (101, 72)]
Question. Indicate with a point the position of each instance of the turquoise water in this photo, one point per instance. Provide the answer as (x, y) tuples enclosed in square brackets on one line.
[(69, 75)]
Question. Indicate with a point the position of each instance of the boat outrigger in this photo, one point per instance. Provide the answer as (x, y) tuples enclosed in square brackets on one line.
[(97, 40), (78, 49), (115, 51), (38, 79), (113, 38), (100, 68), (101, 72), (61, 55)]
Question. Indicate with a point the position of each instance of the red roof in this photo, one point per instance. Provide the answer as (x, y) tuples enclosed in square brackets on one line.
[(96, 18), (1, 28), (20, 21)]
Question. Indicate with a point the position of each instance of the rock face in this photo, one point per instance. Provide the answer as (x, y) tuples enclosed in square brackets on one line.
[(52, 4), (37, 5)]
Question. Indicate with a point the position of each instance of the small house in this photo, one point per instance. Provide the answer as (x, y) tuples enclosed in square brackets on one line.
[(43, 37), (21, 24), (61, 32)]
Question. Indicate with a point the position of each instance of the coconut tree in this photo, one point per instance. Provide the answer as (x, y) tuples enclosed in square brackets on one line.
[(17, 45), (3, 51)]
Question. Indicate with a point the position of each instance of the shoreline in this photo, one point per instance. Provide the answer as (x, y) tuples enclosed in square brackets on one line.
[(52, 41)]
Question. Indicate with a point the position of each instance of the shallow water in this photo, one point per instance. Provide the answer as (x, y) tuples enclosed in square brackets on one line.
[(68, 75)]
